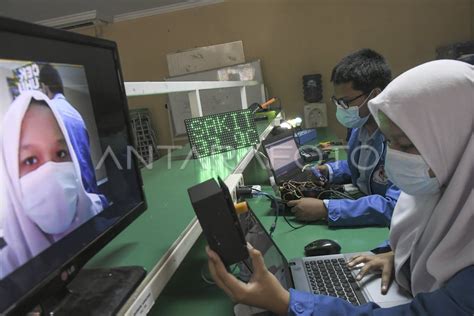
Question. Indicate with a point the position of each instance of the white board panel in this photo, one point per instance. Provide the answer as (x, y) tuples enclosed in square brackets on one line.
[(204, 58)]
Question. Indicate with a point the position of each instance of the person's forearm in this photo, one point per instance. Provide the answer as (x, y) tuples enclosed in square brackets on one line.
[(368, 210)]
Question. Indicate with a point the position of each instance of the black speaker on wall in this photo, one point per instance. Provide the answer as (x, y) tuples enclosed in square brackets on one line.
[(312, 88)]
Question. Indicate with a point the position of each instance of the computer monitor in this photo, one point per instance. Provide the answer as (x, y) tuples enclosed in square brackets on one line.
[(69, 183), (283, 154)]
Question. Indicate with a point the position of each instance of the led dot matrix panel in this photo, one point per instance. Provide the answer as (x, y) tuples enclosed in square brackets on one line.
[(216, 133)]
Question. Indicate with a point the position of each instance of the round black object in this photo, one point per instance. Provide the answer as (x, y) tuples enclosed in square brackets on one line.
[(312, 88), (322, 247)]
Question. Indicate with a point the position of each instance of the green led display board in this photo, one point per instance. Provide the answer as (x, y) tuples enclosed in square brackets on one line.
[(216, 133)]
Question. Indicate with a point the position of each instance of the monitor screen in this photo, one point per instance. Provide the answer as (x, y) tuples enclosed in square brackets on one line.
[(69, 182), (284, 155)]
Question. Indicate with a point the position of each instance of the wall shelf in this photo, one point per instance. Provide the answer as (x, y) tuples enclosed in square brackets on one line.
[(134, 89)]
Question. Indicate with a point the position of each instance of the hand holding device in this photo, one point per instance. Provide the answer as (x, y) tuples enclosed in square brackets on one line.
[(321, 173), (323, 170), (263, 290)]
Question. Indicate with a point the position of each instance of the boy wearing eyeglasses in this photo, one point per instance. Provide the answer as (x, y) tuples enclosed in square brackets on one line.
[(357, 78)]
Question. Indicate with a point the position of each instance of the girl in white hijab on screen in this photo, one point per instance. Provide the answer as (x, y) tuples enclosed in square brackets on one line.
[(45, 198), (427, 116)]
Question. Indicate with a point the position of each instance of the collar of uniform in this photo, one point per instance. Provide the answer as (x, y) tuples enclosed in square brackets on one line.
[(364, 135)]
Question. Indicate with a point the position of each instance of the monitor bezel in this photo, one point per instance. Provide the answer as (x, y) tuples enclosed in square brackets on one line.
[(55, 281)]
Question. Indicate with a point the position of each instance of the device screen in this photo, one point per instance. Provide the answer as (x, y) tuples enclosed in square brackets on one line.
[(275, 262), (284, 155)]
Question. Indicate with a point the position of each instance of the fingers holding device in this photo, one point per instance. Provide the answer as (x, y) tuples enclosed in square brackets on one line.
[(263, 290)]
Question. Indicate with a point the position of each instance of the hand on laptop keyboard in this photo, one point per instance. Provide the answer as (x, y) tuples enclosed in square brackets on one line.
[(359, 266), (332, 277), (382, 262)]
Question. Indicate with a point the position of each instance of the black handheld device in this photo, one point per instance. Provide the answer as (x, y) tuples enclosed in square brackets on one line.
[(215, 211)]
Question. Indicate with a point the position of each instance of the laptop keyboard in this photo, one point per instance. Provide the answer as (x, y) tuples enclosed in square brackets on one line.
[(332, 277)]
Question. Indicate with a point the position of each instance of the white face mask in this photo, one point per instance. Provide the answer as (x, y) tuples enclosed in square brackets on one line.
[(410, 173), (50, 195)]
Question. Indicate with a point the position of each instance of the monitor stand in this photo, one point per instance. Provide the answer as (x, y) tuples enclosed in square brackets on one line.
[(96, 292)]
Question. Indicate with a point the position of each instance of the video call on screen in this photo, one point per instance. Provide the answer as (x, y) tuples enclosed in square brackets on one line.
[(50, 147)]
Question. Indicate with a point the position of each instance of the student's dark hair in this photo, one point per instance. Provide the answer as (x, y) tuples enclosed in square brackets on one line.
[(365, 68), (50, 77)]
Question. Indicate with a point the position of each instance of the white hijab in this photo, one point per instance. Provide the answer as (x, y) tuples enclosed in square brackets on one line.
[(434, 106), (24, 239)]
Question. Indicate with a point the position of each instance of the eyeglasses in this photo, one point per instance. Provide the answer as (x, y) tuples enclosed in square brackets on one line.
[(344, 103)]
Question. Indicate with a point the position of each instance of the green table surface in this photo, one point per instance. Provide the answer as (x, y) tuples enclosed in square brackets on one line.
[(169, 211), (187, 293), (292, 241)]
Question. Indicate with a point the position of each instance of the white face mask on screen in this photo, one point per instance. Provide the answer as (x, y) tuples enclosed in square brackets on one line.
[(50, 195), (410, 173)]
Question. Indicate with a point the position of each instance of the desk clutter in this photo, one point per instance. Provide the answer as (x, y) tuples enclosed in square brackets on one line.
[(294, 190)]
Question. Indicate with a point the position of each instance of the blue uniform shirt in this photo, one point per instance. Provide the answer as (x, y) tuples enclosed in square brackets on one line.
[(368, 152), (79, 137)]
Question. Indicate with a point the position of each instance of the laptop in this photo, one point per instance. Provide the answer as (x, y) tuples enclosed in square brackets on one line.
[(326, 275), (285, 158)]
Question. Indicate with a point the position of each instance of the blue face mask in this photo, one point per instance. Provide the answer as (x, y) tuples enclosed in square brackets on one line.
[(350, 117)]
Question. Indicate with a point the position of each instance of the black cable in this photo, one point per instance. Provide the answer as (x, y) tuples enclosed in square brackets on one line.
[(291, 225), (294, 189), (273, 201), (277, 210), (276, 207)]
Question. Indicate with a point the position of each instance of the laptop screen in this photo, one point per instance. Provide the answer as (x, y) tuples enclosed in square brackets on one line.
[(284, 155), (275, 262)]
